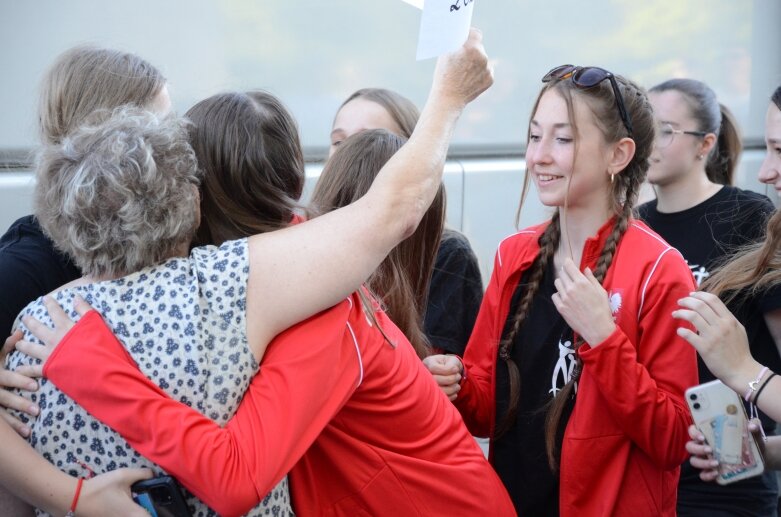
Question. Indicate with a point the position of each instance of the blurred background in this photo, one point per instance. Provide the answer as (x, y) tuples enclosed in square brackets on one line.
[(313, 54)]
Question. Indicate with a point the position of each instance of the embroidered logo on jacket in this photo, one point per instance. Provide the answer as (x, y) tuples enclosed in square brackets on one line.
[(615, 300)]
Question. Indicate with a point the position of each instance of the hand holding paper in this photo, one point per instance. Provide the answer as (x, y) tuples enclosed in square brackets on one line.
[(463, 75), (444, 25)]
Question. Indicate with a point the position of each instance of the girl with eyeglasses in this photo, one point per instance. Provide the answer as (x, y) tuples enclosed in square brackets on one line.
[(741, 310), (698, 212), (574, 369)]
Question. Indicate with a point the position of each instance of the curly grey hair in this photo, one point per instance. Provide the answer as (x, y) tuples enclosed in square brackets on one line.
[(120, 193)]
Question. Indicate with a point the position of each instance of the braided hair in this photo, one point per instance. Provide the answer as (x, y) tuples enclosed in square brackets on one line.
[(624, 191)]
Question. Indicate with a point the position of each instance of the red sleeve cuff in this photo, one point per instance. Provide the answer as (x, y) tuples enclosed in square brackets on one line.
[(590, 353), (90, 326)]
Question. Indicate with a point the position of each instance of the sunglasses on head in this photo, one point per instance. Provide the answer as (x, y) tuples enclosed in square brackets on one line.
[(587, 77)]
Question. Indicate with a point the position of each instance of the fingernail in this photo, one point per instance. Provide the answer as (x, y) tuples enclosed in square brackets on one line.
[(33, 409), (32, 385), (714, 463), (26, 431), (708, 450)]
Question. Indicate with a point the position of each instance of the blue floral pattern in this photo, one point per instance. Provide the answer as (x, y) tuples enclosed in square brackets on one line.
[(184, 323)]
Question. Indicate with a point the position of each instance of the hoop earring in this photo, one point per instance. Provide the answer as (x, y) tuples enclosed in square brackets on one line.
[(699, 157), (611, 177)]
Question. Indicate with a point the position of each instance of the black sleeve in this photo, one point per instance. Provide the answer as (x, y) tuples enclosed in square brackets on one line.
[(29, 267), (455, 294), (770, 300)]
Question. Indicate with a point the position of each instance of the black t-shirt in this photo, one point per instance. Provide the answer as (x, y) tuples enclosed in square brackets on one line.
[(706, 235), (545, 357), (454, 294), (30, 267)]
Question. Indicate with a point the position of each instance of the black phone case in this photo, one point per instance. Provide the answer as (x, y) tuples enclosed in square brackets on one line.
[(165, 495)]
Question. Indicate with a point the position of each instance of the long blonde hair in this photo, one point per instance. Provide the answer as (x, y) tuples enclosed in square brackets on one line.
[(84, 79)]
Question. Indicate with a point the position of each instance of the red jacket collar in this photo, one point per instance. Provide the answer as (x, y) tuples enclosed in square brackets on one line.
[(591, 249)]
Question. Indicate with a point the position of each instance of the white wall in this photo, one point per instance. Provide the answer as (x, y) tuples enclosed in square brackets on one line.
[(482, 194), (314, 53)]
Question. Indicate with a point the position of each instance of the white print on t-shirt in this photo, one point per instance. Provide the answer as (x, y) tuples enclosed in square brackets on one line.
[(562, 372), (699, 272)]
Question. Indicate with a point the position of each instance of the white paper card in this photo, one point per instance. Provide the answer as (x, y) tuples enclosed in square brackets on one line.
[(416, 3), (444, 26)]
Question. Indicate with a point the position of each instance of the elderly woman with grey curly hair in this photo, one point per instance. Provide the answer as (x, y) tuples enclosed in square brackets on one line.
[(120, 197)]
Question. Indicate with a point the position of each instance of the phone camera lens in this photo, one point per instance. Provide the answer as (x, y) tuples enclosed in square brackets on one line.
[(162, 496), (693, 396), (696, 405)]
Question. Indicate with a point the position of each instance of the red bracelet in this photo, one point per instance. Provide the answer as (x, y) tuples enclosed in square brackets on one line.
[(72, 511)]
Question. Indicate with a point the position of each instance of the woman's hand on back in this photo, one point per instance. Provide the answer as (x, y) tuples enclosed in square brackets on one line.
[(447, 371), (50, 337), (110, 494), (19, 380)]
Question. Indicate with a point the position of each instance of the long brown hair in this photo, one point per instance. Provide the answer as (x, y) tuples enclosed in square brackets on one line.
[(401, 280), (252, 165), (402, 110), (756, 267), (84, 79), (624, 190), (711, 117)]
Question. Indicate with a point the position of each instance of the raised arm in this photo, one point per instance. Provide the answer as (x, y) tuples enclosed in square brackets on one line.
[(304, 269)]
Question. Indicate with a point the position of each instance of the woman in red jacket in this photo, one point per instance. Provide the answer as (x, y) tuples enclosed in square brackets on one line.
[(343, 403), (574, 369)]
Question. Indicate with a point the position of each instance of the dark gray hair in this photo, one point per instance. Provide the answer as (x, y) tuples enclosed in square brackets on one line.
[(120, 193)]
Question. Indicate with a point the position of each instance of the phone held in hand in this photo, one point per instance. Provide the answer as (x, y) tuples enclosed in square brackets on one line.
[(719, 414), (161, 497)]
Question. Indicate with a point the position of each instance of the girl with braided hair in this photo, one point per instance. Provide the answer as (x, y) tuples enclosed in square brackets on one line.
[(574, 369)]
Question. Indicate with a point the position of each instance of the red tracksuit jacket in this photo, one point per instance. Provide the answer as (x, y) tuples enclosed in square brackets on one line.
[(625, 439), (363, 426)]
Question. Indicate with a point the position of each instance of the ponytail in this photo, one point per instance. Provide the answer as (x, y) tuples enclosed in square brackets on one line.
[(723, 158)]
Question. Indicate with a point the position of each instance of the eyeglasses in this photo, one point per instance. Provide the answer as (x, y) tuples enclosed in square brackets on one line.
[(665, 134), (587, 77)]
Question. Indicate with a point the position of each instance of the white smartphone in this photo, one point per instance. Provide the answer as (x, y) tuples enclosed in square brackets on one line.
[(719, 414)]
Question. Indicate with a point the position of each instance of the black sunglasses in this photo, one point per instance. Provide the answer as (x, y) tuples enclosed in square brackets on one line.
[(588, 77)]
